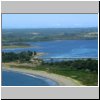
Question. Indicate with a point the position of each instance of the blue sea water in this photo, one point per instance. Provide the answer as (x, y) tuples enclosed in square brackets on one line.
[(63, 48), (11, 78)]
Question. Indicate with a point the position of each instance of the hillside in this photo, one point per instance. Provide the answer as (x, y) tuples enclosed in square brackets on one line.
[(47, 34)]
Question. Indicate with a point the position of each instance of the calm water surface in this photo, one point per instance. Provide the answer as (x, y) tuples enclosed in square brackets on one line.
[(63, 48), (10, 78)]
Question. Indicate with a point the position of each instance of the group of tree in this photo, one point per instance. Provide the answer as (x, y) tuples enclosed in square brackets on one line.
[(81, 64), (21, 56), (25, 56)]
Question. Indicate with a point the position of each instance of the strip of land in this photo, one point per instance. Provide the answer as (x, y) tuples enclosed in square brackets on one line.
[(7, 47), (19, 46), (61, 80)]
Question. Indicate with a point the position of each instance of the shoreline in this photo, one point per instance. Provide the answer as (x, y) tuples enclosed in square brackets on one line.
[(17, 47), (59, 79)]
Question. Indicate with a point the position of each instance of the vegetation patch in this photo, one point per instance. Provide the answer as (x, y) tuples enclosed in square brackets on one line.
[(85, 71)]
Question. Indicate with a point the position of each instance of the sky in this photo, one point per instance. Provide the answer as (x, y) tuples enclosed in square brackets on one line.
[(49, 20)]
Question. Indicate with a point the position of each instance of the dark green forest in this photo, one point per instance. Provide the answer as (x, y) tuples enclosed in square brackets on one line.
[(24, 56)]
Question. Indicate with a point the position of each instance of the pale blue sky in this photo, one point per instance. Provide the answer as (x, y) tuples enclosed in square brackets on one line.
[(49, 20)]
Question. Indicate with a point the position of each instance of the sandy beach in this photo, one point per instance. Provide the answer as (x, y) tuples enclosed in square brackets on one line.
[(61, 80)]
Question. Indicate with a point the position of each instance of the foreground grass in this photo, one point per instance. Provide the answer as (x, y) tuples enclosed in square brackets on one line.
[(85, 77)]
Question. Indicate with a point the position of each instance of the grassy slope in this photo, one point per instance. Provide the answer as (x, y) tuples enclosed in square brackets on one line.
[(86, 78)]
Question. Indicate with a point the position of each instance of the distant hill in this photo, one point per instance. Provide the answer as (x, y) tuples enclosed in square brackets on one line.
[(47, 34)]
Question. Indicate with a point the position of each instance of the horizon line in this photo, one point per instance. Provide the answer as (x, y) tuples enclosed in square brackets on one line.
[(52, 27)]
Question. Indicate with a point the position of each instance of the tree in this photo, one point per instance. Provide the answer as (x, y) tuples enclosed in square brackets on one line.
[(35, 53)]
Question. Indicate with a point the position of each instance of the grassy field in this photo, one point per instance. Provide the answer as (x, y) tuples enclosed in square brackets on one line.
[(85, 77)]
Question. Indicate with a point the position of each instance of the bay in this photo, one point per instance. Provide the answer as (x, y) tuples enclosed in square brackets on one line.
[(12, 78), (62, 48)]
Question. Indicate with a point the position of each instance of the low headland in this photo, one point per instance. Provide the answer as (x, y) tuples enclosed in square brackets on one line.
[(82, 72)]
